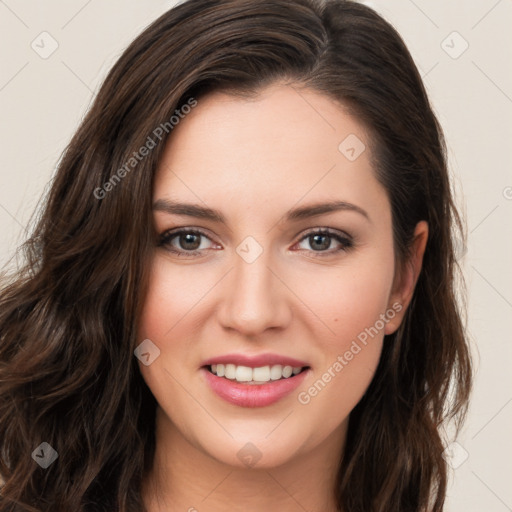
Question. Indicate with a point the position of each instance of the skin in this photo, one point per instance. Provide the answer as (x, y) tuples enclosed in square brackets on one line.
[(253, 160)]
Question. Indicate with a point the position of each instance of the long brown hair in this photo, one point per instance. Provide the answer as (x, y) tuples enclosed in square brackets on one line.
[(68, 376)]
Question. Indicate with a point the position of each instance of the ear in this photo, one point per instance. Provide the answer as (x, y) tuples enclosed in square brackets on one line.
[(407, 277)]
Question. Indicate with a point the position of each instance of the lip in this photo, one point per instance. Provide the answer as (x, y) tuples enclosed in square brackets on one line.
[(253, 395), (255, 361)]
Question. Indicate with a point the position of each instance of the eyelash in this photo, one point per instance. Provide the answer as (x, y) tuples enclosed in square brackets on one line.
[(345, 241)]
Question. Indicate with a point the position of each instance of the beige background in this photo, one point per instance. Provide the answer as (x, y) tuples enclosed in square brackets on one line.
[(43, 99)]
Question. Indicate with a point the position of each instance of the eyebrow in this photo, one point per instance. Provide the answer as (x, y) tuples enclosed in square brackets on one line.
[(295, 214)]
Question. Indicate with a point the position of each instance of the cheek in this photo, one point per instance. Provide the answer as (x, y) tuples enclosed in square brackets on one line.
[(172, 295), (167, 320), (163, 320), (353, 306), (348, 301)]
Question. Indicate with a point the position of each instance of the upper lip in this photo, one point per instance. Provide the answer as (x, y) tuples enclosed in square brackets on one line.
[(255, 361)]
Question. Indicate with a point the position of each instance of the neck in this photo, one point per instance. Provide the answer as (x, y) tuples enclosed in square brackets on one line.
[(185, 477)]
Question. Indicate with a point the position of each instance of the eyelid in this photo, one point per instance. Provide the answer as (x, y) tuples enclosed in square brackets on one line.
[(326, 230), (169, 234), (340, 236)]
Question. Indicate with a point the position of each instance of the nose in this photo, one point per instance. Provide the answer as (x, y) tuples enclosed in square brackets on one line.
[(255, 298)]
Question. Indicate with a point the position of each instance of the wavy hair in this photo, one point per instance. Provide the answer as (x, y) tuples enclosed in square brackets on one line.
[(68, 315)]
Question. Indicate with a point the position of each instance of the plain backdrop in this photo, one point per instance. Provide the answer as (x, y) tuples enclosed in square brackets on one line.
[(54, 55)]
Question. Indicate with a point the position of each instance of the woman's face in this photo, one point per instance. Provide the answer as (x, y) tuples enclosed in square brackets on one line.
[(264, 286)]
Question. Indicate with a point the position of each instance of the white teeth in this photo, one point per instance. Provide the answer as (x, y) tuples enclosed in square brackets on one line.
[(260, 374), (230, 371), (243, 374), (276, 372), (287, 371)]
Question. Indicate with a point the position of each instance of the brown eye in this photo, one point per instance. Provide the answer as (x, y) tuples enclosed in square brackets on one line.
[(189, 241), (321, 241), (183, 242)]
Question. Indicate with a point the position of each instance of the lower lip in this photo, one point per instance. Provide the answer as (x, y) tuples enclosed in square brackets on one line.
[(253, 395)]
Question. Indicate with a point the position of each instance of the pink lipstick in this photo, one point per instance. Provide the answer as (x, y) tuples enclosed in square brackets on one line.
[(253, 381)]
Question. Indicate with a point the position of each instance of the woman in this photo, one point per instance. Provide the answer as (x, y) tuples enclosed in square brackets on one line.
[(241, 290)]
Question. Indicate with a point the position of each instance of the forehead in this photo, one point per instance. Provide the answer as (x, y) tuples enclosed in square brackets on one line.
[(276, 148), (282, 120)]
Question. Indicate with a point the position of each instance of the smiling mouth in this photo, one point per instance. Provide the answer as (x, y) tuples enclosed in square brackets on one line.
[(259, 375)]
